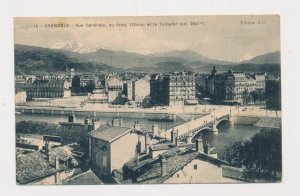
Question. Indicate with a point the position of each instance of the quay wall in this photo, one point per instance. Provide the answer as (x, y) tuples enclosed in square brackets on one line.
[(246, 120), (122, 114)]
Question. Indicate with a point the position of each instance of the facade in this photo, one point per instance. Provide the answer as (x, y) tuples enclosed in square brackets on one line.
[(114, 87), (20, 79), (48, 89), (110, 148), (86, 79), (20, 95), (141, 89), (233, 87), (129, 90), (175, 89), (99, 95), (156, 90)]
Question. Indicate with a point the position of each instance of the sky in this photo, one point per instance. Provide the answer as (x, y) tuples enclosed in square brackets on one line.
[(229, 38)]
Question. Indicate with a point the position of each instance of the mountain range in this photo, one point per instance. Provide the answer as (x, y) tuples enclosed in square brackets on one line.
[(32, 60)]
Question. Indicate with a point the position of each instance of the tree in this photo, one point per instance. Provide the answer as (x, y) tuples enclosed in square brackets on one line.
[(254, 95), (36, 127), (234, 153), (90, 86), (246, 96), (261, 155)]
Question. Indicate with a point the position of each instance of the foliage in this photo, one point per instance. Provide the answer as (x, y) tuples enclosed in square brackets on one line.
[(44, 128), (257, 95), (261, 155), (36, 127)]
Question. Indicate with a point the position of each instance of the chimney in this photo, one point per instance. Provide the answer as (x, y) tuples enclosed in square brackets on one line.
[(155, 129), (71, 118), (173, 136), (163, 167), (117, 122), (199, 145), (57, 174), (147, 143), (139, 146), (47, 149), (177, 141), (136, 125), (188, 138), (87, 121)]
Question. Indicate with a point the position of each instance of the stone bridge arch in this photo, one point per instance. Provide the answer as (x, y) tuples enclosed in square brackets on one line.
[(210, 129)]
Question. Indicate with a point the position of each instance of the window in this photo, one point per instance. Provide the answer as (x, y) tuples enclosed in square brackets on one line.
[(195, 167), (177, 175)]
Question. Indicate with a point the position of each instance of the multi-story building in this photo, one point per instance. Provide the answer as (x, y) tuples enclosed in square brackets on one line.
[(137, 89), (99, 95), (20, 95), (48, 89), (141, 89), (114, 86), (156, 90), (110, 147), (174, 89), (233, 87), (86, 79)]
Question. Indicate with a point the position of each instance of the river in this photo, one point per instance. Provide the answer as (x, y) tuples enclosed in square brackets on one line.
[(227, 133)]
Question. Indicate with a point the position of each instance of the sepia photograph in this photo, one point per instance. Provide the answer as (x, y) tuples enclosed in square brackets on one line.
[(192, 99)]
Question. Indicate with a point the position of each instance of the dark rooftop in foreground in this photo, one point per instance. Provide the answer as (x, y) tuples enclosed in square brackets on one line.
[(85, 178), (149, 170), (31, 167), (109, 133), (176, 158)]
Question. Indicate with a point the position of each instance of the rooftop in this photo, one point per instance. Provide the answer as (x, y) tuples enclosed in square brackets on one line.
[(31, 167), (109, 133), (85, 178), (176, 158)]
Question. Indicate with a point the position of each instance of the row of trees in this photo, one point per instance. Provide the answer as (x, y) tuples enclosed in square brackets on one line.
[(261, 155), (44, 128)]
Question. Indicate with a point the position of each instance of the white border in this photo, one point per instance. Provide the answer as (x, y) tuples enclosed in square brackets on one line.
[(290, 33)]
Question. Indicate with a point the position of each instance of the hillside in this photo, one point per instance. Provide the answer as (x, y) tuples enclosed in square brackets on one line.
[(36, 60)]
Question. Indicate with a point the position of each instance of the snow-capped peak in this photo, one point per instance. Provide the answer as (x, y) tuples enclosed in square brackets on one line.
[(75, 47)]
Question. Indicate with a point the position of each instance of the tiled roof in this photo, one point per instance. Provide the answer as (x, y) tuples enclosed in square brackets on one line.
[(32, 166), (118, 176), (176, 158), (70, 151), (85, 178), (143, 160), (109, 133)]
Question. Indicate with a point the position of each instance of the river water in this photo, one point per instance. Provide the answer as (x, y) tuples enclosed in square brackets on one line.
[(227, 133)]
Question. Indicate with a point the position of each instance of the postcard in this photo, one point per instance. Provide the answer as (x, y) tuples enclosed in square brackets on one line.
[(148, 100)]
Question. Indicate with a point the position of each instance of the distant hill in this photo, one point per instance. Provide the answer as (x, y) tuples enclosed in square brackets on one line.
[(269, 58), (34, 60)]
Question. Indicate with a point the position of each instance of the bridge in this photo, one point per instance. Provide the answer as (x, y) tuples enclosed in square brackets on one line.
[(193, 127)]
